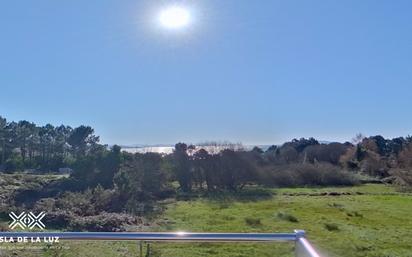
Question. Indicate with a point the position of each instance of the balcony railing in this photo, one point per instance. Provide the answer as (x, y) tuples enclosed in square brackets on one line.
[(302, 246)]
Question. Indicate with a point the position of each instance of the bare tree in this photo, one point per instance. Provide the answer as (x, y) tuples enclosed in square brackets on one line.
[(358, 138)]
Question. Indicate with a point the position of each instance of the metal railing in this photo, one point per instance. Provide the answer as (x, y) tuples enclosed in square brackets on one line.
[(302, 246)]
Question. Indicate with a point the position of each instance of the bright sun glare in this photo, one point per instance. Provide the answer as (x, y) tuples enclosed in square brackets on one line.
[(174, 17)]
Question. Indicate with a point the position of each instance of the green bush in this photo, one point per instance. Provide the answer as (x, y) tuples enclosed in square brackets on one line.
[(331, 227), (15, 163), (253, 221)]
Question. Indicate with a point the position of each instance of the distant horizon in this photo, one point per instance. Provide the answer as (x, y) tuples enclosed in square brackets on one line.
[(244, 144), (198, 142), (202, 144)]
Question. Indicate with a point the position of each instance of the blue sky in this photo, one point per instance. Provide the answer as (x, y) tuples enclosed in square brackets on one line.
[(258, 72)]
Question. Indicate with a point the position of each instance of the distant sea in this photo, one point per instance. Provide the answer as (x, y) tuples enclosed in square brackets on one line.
[(167, 149), (149, 149), (211, 148)]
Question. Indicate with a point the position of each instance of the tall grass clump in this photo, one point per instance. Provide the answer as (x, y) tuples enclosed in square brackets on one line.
[(287, 217), (253, 222)]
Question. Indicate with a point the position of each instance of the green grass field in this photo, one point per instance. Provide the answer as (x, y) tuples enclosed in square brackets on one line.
[(373, 220)]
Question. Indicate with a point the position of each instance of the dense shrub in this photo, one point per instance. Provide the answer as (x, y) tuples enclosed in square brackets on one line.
[(330, 153), (59, 219), (402, 177), (104, 222), (142, 179), (89, 210), (321, 174), (89, 202)]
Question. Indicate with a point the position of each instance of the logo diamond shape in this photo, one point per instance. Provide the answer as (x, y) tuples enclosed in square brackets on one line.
[(27, 220)]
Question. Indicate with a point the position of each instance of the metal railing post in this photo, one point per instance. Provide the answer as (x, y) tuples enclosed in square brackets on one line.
[(302, 246)]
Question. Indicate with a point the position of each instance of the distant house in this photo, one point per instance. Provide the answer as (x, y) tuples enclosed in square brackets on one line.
[(65, 170), (30, 171)]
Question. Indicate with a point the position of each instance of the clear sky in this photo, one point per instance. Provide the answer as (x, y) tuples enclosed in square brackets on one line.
[(258, 72)]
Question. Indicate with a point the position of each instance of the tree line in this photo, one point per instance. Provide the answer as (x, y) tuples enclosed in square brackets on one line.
[(24, 145), (138, 177)]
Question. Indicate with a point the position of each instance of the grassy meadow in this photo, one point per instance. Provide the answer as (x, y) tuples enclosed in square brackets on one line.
[(369, 220)]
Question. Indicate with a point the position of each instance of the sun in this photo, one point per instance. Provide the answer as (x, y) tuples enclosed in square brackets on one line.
[(174, 17)]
